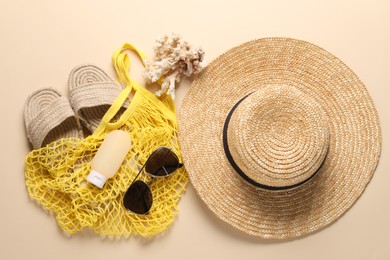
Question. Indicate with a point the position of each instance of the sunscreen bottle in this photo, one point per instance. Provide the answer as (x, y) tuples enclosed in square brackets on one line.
[(109, 157)]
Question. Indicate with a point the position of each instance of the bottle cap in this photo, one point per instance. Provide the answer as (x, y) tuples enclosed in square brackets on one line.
[(96, 178)]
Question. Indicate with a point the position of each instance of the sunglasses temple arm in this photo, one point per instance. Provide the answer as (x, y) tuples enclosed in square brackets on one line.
[(165, 170), (136, 177), (167, 173)]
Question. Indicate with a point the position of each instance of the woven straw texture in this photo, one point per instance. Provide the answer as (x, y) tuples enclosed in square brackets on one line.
[(286, 139), (56, 174), (91, 93), (307, 113), (48, 117)]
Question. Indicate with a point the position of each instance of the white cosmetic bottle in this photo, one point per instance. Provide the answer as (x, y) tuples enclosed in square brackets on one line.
[(109, 157)]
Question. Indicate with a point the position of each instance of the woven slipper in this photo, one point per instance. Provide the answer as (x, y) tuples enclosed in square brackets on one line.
[(91, 93), (48, 117)]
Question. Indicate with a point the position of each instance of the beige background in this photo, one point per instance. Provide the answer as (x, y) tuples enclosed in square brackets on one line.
[(41, 41)]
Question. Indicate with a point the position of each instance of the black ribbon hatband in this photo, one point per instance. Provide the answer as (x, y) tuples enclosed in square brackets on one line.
[(238, 169)]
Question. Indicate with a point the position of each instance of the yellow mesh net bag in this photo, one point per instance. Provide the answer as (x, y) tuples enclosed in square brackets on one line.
[(56, 174)]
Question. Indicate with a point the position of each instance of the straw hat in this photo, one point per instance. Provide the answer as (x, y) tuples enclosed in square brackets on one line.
[(279, 137)]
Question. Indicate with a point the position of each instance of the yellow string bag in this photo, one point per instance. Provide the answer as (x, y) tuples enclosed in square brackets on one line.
[(56, 174)]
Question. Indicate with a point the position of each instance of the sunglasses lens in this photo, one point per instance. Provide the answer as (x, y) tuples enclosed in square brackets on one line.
[(138, 198), (162, 162)]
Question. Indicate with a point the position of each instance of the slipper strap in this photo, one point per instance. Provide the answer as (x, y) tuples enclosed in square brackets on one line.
[(46, 120), (94, 94)]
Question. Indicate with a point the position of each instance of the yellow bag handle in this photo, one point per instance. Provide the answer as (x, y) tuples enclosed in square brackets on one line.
[(121, 62)]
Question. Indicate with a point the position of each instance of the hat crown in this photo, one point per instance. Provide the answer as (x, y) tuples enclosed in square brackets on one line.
[(278, 137)]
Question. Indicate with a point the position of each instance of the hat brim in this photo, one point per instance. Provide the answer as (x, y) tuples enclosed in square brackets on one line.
[(354, 149)]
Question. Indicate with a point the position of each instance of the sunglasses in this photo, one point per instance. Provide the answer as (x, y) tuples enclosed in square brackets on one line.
[(162, 162)]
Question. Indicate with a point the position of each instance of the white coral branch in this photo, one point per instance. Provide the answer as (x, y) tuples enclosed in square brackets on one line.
[(173, 58)]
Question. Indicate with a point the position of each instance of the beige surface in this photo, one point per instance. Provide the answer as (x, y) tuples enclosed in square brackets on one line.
[(41, 41)]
